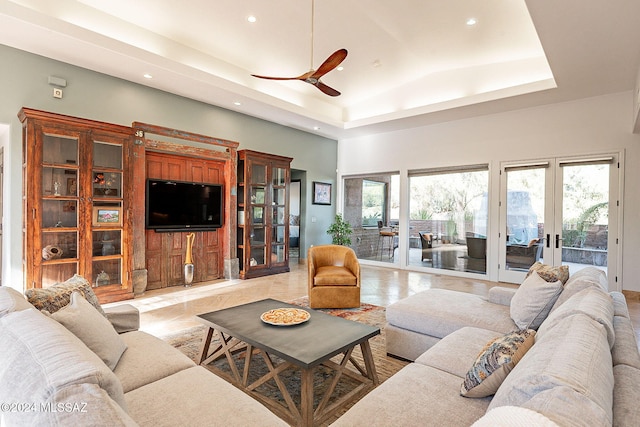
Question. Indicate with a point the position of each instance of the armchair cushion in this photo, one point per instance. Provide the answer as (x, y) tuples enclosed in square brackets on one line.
[(332, 275)]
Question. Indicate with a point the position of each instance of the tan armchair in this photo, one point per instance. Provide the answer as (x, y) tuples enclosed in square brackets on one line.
[(334, 277)]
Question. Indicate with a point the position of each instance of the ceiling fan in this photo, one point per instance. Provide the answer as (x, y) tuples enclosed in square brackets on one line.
[(313, 76)]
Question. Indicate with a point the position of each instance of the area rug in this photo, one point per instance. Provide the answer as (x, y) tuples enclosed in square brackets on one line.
[(189, 341)]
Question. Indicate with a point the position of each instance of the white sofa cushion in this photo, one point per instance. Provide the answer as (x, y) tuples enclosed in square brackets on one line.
[(40, 356), (456, 352), (93, 329), (567, 375), (501, 295), (625, 348), (148, 359), (417, 395), (204, 400), (498, 357), (626, 410), (582, 279), (593, 302), (620, 307), (86, 405), (439, 312), (533, 300)]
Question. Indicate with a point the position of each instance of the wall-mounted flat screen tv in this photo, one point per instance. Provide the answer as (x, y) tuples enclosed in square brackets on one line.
[(181, 206)]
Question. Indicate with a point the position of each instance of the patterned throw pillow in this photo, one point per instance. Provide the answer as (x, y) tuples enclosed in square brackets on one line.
[(495, 361), (549, 273), (57, 296)]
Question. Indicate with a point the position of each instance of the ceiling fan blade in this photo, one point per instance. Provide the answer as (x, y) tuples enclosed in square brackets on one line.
[(330, 63), (326, 89), (275, 78)]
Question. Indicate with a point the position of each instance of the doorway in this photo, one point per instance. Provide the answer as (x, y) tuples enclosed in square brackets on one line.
[(560, 211), (294, 220)]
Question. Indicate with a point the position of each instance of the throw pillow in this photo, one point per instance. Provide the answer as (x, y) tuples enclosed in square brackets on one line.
[(57, 296), (11, 300), (533, 300), (94, 330), (494, 363), (550, 273)]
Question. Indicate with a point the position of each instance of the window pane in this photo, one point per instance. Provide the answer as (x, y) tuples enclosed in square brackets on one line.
[(448, 220), (373, 203), (371, 207)]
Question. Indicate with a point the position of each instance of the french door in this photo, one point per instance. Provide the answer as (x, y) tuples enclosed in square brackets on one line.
[(560, 211)]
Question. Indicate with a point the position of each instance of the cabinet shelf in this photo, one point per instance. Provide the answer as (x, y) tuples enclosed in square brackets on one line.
[(60, 261)]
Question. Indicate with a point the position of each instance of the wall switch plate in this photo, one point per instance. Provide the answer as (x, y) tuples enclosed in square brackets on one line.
[(57, 93)]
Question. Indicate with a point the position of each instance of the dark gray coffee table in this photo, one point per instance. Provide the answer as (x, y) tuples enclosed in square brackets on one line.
[(304, 346)]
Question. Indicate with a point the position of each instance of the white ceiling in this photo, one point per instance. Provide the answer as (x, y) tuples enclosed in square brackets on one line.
[(410, 62)]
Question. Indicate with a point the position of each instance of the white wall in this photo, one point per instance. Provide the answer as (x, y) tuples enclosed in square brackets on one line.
[(593, 125)]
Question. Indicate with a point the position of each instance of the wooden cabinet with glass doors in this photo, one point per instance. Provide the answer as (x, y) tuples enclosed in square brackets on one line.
[(263, 213), (76, 199)]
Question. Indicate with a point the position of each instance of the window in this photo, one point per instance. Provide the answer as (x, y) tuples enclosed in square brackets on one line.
[(369, 201), (373, 203), (448, 218)]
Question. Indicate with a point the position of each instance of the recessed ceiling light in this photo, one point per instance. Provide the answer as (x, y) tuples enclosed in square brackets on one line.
[(471, 21), (251, 19), (316, 128), (340, 68), (147, 76), (237, 103)]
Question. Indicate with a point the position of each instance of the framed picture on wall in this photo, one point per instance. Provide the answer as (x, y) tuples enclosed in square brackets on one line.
[(321, 193)]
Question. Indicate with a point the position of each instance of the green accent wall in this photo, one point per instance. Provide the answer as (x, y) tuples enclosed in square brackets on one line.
[(96, 96)]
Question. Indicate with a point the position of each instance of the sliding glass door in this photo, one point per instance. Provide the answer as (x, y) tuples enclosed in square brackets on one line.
[(561, 211), (448, 210)]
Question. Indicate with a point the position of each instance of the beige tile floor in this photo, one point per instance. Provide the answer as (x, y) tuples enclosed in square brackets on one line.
[(171, 310)]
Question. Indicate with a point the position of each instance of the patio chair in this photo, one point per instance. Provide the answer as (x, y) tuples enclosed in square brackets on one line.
[(426, 241)]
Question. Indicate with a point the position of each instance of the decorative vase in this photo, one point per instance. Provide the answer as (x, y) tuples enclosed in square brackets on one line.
[(188, 260), (108, 248), (51, 252), (102, 279)]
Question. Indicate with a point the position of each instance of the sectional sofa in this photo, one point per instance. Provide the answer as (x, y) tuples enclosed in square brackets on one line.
[(71, 367), (574, 360)]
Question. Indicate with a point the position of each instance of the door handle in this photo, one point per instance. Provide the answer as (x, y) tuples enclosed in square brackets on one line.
[(548, 238), (558, 241)]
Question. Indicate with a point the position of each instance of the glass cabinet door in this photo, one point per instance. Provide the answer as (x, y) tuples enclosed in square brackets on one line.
[(279, 217), (59, 208), (107, 215), (263, 213)]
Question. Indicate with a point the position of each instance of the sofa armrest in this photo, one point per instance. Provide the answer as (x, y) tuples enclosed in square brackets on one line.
[(501, 295), (124, 317)]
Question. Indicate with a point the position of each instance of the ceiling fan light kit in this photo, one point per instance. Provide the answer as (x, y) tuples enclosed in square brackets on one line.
[(313, 76)]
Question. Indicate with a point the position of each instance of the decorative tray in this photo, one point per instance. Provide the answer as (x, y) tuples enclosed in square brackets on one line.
[(285, 316)]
